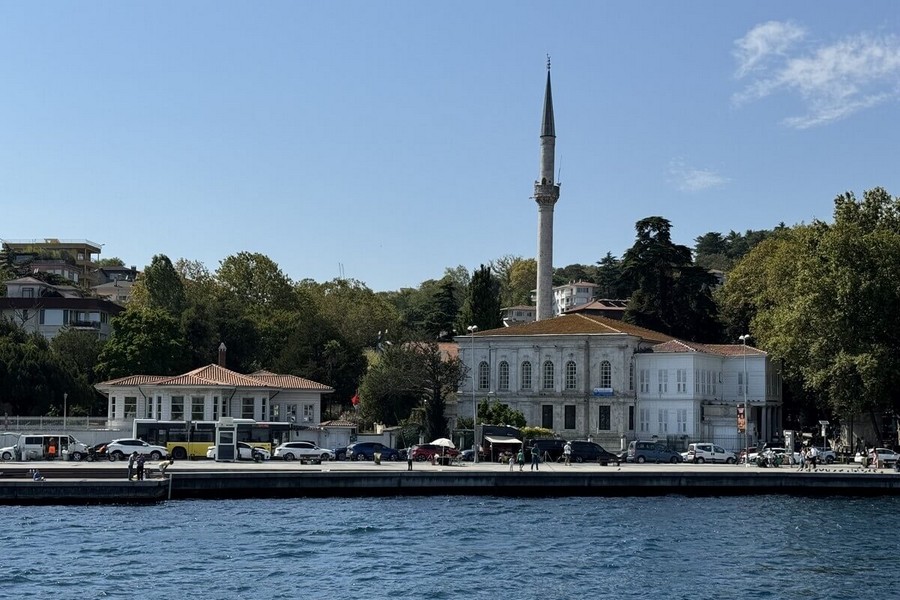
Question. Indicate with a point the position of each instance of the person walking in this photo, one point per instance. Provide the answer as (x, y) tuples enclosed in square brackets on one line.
[(140, 467), (535, 459), (803, 451), (131, 460), (567, 451), (520, 458), (813, 457), (512, 461)]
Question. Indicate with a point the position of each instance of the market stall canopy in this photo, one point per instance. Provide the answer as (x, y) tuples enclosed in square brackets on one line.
[(502, 440), (443, 442)]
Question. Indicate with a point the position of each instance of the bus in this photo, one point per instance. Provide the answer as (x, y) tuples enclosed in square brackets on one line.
[(185, 439)]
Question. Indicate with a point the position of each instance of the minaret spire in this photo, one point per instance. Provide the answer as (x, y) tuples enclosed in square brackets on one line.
[(546, 193)]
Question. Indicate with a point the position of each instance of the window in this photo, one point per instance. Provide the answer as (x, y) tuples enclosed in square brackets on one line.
[(570, 416), (631, 377), (571, 375), (697, 382), (547, 382), (112, 407), (663, 377), (547, 416), (27, 292), (158, 414), (484, 375), (645, 419), (605, 423), (681, 376), (682, 420), (148, 408), (197, 408), (503, 375), (663, 425), (216, 408), (248, 406), (177, 408), (630, 418), (276, 412), (605, 374), (703, 383), (130, 407), (645, 381), (742, 387), (308, 412), (526, 375)]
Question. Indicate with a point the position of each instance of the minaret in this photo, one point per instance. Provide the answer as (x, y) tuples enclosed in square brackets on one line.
[(546, 193)]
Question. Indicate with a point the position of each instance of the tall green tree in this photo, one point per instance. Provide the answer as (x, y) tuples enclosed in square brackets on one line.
[(163, 286), (482, 304), (257, 281), (609, 279), (671, 294), (440, 320), (144, 342)]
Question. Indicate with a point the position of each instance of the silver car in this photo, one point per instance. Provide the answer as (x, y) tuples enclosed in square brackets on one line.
[(303, 451)]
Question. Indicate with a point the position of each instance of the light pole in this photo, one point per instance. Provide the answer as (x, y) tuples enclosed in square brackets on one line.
[(65, 399), (472, 329), (744, 339)]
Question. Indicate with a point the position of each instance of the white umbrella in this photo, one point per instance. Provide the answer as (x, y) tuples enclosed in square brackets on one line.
[(443, 442)]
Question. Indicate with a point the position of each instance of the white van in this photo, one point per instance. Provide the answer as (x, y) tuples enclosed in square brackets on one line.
[(703, 452), (42, 446)]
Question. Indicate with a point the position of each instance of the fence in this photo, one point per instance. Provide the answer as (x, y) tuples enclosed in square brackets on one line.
[(55, 424)]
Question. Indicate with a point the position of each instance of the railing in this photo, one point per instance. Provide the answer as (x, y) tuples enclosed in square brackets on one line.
[(55, 424)]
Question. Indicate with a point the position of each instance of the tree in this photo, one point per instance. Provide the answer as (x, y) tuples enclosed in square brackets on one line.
[(609, 278), (441, 318), (354, 310), (441, 377), (160, 287), (671, 295), (257, 281), (115, 261), (522, 280), (144, 342), (482, 304), (824, 298), (495, 412)]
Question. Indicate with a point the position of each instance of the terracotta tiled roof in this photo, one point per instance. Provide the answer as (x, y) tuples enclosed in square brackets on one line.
[(289, 382), (132, 380), (224, 376), (337, 424), (577, 324), (448, 350), (720, 349)]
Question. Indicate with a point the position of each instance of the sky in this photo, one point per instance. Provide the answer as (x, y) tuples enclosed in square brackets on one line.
[(388, 141)]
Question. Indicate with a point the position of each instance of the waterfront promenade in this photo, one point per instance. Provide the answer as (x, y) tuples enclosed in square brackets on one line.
[(68, 482)]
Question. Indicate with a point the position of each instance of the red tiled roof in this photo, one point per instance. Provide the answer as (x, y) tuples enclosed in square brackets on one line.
[(337, 424), (577, 324), (289, 382), (214, 375), (720, 349), (132, 380)]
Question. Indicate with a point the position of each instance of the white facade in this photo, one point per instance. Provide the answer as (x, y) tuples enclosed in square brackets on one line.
[(573, 374)]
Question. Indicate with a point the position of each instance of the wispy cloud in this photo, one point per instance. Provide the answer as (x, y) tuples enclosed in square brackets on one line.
[(832, 81), (689, 179)]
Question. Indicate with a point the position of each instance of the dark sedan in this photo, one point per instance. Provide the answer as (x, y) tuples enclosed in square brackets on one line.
[(367, 450), (584, 451)]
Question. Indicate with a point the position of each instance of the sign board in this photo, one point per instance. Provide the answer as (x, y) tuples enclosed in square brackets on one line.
[(603, 391), (741, 420)]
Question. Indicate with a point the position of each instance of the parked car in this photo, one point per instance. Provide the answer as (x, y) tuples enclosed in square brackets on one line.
[(424, 452), (704, 452), (367, 450), (641, 452), (826, 455), (886, 457), (120, 449), (340, 453), (548, 449), (245, 452), (8, 453), (467, 455), (303, 451), (786, 458), (584, 451)]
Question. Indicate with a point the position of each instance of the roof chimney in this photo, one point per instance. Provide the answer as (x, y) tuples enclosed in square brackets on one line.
[(222, 354)]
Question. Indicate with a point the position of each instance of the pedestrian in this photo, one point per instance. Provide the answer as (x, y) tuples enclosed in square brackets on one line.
[(520, 458), (803, 458), (813, 457), (535, 459), (567, 451), (140, 467), (409, 458), (131, 459), (163, 465), (512, 461), (875, 463)]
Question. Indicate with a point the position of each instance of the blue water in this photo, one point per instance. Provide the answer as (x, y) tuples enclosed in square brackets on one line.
[(459, 547)]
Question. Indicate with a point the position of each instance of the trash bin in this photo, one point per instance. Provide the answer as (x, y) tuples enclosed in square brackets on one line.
[(377, 458), (65, 455)]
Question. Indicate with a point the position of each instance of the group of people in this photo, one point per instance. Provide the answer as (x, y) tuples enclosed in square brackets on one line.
[(136, 466), (809, 458)]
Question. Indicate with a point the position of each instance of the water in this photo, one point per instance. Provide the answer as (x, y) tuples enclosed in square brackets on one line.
[(459, 547)]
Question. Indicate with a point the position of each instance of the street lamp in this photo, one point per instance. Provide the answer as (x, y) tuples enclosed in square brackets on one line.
[(65, 398), (472, 329), (744, 339)]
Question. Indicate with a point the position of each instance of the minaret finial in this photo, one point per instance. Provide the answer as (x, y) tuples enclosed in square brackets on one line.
[(548, 62)]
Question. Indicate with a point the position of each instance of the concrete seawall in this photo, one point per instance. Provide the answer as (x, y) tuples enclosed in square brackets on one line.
[(68, 483)]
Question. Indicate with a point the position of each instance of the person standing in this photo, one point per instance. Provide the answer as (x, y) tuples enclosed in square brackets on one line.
[(567, 451), (813, 457), (803, 451), (140, 467), (535, 459), (409, 458), (520, 458), (131, 460)]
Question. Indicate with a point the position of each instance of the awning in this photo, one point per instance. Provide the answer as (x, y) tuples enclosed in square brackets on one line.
[(503, 440)]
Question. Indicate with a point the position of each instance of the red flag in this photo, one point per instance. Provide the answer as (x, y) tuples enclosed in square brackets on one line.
[(355, 399)]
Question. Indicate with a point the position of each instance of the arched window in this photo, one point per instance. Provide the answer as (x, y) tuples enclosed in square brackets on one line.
[(526, 375), (547, 383), (571, 375), (503, 375), (484, 375), (606, 374)]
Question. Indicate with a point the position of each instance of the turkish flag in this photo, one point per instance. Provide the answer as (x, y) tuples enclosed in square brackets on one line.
[(355, 399)]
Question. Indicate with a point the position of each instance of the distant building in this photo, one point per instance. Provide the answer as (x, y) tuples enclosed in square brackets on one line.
[(570, 295), (518, 314), (604, 307), (37, 306), (74, 260)]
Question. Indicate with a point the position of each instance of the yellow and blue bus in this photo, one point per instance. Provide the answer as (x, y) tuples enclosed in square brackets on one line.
[(185, 439)]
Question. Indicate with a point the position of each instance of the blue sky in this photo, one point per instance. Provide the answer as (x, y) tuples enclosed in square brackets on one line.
[(386, 141)]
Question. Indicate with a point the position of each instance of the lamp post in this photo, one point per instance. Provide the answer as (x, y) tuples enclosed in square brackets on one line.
[(65, 399), (472, 329), (744, 339)]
